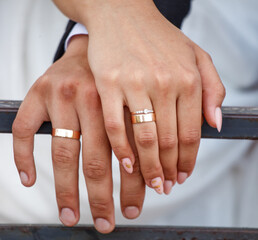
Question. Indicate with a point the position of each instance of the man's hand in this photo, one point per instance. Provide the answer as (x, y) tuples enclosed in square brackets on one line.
[(66, 95)]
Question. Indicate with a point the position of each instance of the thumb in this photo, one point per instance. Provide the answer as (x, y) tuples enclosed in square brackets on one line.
[(213, 91)]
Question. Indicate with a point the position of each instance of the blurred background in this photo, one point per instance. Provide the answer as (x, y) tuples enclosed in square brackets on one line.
[(223, 188)]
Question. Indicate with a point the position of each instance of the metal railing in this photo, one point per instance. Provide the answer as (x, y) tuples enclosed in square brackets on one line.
[(55, 232), (238, 122)]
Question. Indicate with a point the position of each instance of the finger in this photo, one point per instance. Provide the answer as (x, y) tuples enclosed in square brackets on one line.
[(32, 113), (189, 112), (96, 152), (166, 121), (65, 156), (115, 128), (132, 186), (213, 89), (146, 140)]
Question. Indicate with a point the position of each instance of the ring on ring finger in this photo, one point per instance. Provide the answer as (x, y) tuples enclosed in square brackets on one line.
[(143, 116), (66, 133)]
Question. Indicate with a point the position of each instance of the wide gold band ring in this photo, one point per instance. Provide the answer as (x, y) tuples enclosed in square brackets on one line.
[(66, 133), (143, 116)]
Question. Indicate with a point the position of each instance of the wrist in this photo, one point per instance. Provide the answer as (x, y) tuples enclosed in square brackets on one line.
[(97, 12), (78, 45)]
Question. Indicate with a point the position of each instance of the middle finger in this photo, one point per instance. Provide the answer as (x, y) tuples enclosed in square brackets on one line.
[(96, 153)]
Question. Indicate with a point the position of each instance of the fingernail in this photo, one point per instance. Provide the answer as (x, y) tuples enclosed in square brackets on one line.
[(168, 186), (127, 164), (218, 118), (24, 178), (102, 225), (157, 184), (181, 177), (131, 212), (67, 217)]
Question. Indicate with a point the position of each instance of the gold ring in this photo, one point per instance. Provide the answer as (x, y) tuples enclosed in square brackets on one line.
[(66, 133), (143, 116)]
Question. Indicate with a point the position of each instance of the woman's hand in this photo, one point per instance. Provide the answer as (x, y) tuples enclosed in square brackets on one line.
[(142, 61), (66, 95)]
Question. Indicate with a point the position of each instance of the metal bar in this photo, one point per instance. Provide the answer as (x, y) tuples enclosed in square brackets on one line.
[(55, 232), (238, 122)]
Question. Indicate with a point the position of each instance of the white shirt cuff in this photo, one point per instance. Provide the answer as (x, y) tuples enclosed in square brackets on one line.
[(78, 29)]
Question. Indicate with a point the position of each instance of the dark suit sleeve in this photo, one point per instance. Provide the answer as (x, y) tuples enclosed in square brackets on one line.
[(173, 10), (60, 50)]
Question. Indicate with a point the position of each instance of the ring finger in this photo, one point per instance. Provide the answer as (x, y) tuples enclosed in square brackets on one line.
[(146, 140), (65, 156)]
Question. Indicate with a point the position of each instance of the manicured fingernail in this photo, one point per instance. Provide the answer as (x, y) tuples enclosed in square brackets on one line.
[(168, 186), (218, 118), (24, 178), (102, 225), (127, 164), (157, 184), (67, 217), (131, 212), (181, 177)]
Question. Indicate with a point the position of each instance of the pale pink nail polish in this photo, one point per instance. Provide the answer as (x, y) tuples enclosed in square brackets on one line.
[(24, 178), (157, 184), (127, 164), (131, 212), (181, 177), (218, 118), (102, 225), (67, 217), (168, 186)]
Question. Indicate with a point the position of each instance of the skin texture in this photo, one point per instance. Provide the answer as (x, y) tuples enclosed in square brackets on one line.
[(66, 95), (140, 60)]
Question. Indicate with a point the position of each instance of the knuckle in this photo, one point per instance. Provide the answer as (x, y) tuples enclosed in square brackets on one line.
[(137, 85), (133, 197), (21, 157), (170, 173), (65, 196), (99, 206), (63, 157), (91, 96), (191, 81), (21, 128), (108, 76), (95, 169), (190, 137), (112, 125), (89, 90), (42, 83), (186, 166), (168, 141), (67, 89), (207, 56), (163, 80), (120, 151), (146, 139), (152, 170), (220, 91)]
